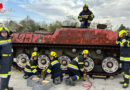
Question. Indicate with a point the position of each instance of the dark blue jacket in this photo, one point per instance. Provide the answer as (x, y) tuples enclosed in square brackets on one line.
[(54, 68), (5, 46), (88, 13), (124, 43), (77, 63)]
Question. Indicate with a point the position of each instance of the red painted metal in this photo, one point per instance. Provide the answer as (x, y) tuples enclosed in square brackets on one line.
[(75, 36)]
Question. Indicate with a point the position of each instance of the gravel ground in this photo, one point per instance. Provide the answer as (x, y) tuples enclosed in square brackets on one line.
[(97, 84)]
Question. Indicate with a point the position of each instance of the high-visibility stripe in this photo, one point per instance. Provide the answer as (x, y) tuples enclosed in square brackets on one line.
[(92, 15), (34, 71), (6, 54), (77, 77), (27, 70), (73, 66), (82, 69), (127, 76), (49, 70), (117, 42), (123, 41), (3, 75), (80, 62), (125, 58), (28, 63), (54, 62), (9, 73), (12, 50), (89, 20), (84, 16), (123, 73), (79, 17), (5, 41), (33, 66), (128, 43), (76, 59)]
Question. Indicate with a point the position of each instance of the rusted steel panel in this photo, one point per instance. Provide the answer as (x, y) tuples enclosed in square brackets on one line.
[(28, 38), (69, 36), (82, 37)]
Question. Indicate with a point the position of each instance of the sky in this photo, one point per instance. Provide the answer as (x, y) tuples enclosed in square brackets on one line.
[(116, 12)]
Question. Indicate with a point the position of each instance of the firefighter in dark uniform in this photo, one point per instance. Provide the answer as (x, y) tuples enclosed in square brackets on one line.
[(124, 42), (85, 17), (76, 68), (32, 66), (54, 69), (6, 58)]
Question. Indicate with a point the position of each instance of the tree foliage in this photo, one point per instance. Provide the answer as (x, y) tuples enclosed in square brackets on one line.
[(29, 25), (122, 27)]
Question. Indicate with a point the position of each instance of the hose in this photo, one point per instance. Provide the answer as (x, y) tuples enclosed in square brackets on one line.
[(88, 86)]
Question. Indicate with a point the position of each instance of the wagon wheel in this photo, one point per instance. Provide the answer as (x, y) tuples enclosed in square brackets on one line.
[(22, 60), (64, 61), (89, 64), (43, 61), (110, 65)]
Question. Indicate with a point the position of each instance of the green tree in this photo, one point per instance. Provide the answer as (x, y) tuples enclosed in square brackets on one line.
[(122, 27), (53, 26), (29, 25)]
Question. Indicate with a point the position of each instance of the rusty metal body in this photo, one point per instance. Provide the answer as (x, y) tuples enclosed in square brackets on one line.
[(69, 36), (69, 42)]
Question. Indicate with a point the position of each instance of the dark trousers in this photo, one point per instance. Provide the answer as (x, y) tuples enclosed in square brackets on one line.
[(125, 69), (74, 74), (5, 70), (29, 74), (85, 25)]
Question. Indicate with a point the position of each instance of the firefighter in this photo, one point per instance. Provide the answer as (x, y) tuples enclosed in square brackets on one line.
[(32, 66), (124, 42), (76, 68), (54, 69), (85, 17), (6, 58)]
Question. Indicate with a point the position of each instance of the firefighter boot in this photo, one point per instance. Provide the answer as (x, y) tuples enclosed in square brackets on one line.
[(69, 81), (122, 82), (126, 84), (25, 76), (57, 80)]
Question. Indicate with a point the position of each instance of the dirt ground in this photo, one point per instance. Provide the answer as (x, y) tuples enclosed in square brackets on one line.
[(19, 83)]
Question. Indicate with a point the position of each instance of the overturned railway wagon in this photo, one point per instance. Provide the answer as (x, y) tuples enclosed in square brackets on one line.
[(68, 43)]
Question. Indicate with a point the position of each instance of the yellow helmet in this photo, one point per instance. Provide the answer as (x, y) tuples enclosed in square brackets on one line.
[(53, 54), (4, 29), (85, 5), (85, 52), (34, 54), (121, 32)]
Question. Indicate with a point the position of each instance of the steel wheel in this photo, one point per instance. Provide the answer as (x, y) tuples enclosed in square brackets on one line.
[(43, 61), (110, 65), (21, 60), (64, 61), (89, 64)]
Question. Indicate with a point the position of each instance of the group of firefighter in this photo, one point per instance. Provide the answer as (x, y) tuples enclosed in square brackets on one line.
[(76, 66)]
